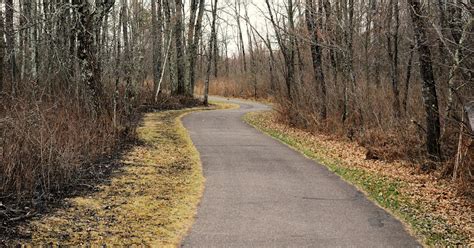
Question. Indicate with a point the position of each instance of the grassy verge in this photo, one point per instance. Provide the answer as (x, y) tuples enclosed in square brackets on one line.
[(389, 192), (151, 200)]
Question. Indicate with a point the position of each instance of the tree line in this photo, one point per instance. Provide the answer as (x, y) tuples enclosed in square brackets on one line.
[(390, 74), (394, 75), (74, 73)]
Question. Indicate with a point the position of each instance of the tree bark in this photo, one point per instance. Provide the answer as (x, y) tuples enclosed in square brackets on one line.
[(316, 55), (2, 51), (210, 51), (286, 49), (157, 41), (430, 98), (407, 79), (87, 56), (193, 42), (392, 42), (180, 60), (241, 39), (10, 45)]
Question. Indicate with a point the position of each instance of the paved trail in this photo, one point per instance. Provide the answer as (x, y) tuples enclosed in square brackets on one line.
[(260, 193)]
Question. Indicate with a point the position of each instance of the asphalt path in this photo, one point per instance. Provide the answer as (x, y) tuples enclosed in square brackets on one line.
[(261, 193)]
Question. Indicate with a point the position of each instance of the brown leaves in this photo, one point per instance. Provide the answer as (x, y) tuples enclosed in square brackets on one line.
[(440, 205)]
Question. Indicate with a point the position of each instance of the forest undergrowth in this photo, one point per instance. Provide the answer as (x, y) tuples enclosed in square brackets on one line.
[(51, 149)]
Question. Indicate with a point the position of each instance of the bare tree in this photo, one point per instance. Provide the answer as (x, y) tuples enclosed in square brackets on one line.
[(212, 39), (430, 98), (180, 59), (10, 45), (194, 35), (287, 46), (316, 54), (2, 50), (393, 42), (157, 37)]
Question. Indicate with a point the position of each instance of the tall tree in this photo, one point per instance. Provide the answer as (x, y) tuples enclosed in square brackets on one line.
[(392, 42), (89, 17), (168, 10), (2, 50), (316, 54), (156, 40), (10, 45), (212, 39), (430, 98), (194, 35), (287, 47), (180, 60), (240, 37)]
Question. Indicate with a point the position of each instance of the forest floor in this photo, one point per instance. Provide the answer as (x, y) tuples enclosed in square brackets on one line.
[(150, 199), (430, 207)]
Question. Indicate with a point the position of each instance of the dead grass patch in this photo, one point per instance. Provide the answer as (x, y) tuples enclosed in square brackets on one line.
[(150, 200)]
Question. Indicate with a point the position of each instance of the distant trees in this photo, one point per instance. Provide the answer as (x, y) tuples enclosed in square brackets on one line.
[(364, 76), (73, 74), (78, 41)]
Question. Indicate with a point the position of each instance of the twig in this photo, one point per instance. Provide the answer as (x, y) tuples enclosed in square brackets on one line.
[(22, 217), (419, 126)]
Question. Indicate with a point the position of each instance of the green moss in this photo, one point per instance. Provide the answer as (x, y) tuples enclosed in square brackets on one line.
[(385, 191)]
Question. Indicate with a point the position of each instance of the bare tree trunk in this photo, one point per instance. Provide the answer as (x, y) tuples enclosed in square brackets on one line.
[(430, 98), (211, 44), (117, 70), (215, 56), (193, 43), (316, 55), (290, 63), (392, 42), (226, 55), (2, 50), (10, 44), (170, 30), (180, 60), (241, 39), (271, 64), (252, 63), (348, 56), (286, 49), (407, 79), (87, 50), (165, 62), (458, 57), (156, 40), (87, 55), (367, 42)]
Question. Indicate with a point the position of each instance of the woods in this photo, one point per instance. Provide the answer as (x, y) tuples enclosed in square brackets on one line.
[(73, 75), (386, 74), (393, 76)]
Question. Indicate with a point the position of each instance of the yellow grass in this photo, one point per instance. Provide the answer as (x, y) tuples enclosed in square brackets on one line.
[(150, 201)]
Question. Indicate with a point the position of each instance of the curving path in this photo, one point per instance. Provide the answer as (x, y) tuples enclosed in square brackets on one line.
[(260, 193)]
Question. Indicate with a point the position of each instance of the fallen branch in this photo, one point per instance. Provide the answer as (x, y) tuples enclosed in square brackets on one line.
[(22, 217)]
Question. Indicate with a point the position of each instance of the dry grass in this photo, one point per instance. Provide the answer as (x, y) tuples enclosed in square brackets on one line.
[(151, 200), (431, 206)]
